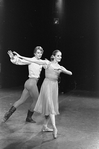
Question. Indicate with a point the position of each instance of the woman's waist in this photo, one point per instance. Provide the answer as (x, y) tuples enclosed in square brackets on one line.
[(51, 78)]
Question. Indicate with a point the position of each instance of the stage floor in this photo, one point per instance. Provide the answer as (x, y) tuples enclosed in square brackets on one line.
[(78, 124)]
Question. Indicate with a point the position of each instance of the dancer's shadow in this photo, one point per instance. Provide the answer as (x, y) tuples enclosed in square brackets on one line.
[(24, 136), (35, 141), (7, 128)]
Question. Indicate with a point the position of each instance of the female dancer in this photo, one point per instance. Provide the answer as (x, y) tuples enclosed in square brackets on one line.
[(47, 103)]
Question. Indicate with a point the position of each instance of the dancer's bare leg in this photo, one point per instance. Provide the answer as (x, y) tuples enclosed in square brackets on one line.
[(52, 117), (45, 125)]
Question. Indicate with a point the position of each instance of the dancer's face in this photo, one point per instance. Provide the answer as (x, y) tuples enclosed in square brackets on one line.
[(58, 56), (38, 54)]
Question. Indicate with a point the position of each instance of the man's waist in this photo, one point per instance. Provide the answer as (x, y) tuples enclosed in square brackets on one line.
[(34, 76)]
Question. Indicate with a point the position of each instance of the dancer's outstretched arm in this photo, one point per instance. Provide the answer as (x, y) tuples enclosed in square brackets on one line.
[(38, 61), (64, 70), (22, 57), (16, 60)]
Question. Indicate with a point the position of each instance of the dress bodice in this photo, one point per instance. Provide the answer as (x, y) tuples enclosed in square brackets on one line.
[(52, 72)]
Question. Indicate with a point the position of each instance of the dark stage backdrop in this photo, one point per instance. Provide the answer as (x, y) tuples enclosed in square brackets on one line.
[(26, 24)]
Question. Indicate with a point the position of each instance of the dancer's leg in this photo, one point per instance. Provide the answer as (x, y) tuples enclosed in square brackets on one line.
[(45, 125), (31, 85), (34, 94), (24, 96), (52, 117)]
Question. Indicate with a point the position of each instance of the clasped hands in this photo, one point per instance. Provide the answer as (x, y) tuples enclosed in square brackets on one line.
[(12, 54)]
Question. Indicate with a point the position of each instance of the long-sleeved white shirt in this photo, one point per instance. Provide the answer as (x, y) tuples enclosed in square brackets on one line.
[(33, 68)]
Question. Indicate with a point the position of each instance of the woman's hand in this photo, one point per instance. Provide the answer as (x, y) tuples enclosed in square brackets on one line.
[(17, 54), (11, 55), (69, 72)]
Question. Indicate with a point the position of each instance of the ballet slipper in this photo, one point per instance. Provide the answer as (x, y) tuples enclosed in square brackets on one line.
[(46, 129), (55, 133)]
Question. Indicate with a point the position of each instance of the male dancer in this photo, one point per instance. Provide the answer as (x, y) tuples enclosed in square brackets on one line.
[(30, 86)]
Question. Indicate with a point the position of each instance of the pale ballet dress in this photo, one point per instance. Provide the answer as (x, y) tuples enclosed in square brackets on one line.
[(47, 102)]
